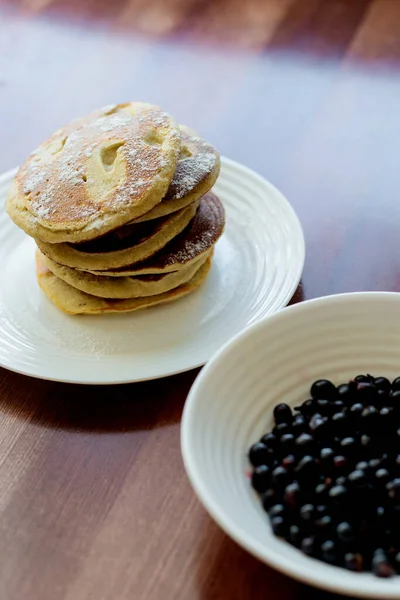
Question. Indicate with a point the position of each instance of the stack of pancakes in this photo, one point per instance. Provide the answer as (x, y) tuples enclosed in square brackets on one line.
[(119, 205)]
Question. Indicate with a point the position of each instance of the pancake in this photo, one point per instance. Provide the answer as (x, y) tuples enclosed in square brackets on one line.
[(96, 174), (131, 244), (197, 239), (124, 287), (196, 172), (75, 302)]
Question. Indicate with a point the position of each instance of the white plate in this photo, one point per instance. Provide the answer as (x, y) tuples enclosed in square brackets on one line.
[(256, 268), (230, 406)]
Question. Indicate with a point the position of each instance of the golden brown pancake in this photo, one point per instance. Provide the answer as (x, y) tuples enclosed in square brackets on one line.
[(196, 172), (131, 244), (125, 287), (96, 174), (200, 235), (75, 302)]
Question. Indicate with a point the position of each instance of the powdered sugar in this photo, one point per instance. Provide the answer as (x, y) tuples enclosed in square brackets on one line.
[(71, 177), (194, 248), (160, 119), (36, 176), (200, 235), (43, 206), (89, 151), (130, 190), (146, 162), (113, 121), (190, 172), (44, 210)]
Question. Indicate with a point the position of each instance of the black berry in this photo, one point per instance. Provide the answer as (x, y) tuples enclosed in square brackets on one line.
[(323, 389), (259, 455), (261, 478), (278, 526), (353, 562), (381, 566), (277, 510), (280, 477), (269, 498), (381, 383), (282, 413), (329, 551), (345, 532)]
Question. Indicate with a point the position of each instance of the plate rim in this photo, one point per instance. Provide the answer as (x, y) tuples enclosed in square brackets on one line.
[(297, 273)]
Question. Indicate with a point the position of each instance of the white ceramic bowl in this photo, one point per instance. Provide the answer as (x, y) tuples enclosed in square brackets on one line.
[(230, 407)]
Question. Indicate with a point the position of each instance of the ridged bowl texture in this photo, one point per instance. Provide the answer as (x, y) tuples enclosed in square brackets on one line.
[(230, 407)]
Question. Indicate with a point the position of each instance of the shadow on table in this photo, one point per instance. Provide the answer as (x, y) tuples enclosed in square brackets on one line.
[(96, 409), (227, 572), (299, 295), (308, 593), (99, 409)]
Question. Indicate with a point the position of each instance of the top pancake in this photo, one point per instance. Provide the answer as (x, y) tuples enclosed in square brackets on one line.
[(96, 174)]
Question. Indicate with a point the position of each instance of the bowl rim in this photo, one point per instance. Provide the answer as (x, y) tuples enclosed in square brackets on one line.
[(325, 576)]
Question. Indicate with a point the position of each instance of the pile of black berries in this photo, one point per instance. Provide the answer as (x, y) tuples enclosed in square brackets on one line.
[(328, 474)]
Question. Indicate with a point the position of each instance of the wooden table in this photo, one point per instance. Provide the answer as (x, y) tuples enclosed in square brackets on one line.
[(94, 501)]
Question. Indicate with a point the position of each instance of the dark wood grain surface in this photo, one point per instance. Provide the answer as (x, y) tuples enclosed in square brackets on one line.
[(94, 502)]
